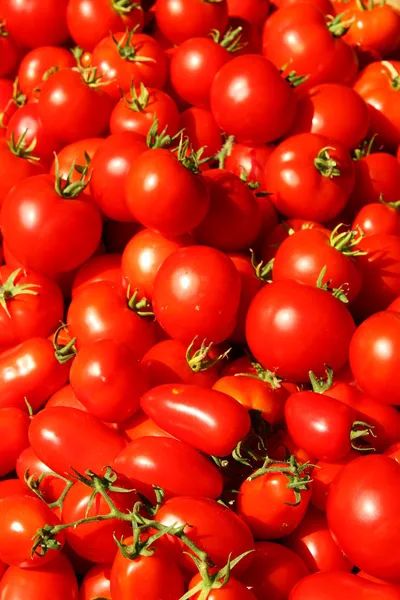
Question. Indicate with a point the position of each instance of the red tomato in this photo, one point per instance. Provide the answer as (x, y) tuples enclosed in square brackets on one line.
[(39, 63), (141, 426), (202, 130), (72, 107), (249, 162), (30, 370), (10, 100), (280, 232), (184, 19), (14, 424), (16, 164), (242, 104), (211, 421), (53, 437), (106, 267), (96, 583), (329, 586), (253, 11), (9, 53), (293, 328), (185, 308), (20, 518), (56, 577), (36, 23), (375, 29), (13, 487), (322, 475), (73, 154), (91, 21), (174, 466), (107, 380), (100, 311), (281, 446), (309, 166), (250, 285), (65, 397), (318, 109), (214, 528), (151, 577), (274, 571), (374, 219), (28, 464), (313, 542), (232, 590), (362, 514)]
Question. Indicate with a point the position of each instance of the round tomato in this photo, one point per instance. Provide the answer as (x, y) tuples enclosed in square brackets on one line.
[(202, 131), (183, 19), (9, 53), (80, 154), (35, 23), (29, 465), (38, 63), (375, 29), (106, 267), (375, 219), (16, 163), (253, 11), (230, 590), (96, 583), (322, 475)]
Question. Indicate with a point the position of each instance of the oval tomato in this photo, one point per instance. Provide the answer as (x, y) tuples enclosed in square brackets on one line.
[(328, 586), (14, 424)]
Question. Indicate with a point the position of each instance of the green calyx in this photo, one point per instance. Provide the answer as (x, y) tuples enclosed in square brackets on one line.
[(325, 164), (125, 7), (298, 480), (92, 79), (10, 290), (292, 78), (127, 50), (63, 353), (160, 140), (337, 26), (19, 147), (139, 101), (262, 270), (347, 241), (253, 185), (3, 30), (141, 307), (340, 293), (395, 205), (199, 360), (231, 40), (393, 75), (365, 148), (360, 429), (186, 155), (225, 151), (320, 384), (66, 188)]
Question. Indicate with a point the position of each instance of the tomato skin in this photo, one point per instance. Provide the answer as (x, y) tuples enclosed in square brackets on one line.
[(190, 18), (37, 374), (75, 153), (106, 267), (323, 475), (313, 542), (374, 356), (202, 130), (97, 448), (14, 169), (140, 426), (43, 581), (210, 421), (146, 577), (183, 308), (291, 176), (317, 109), (250, 285), (281, 317), (352, 514), (96, 583), (35, 24), (215, 529), (90, 22), (233, 590), (274, 571), (281, 232), (329, 586), (374, 219), (100, 311), (375, 31), (253, 11), (242, 105), (65, 397), (51, 487), (14, 424), (13, 487), (20, 518), (173, 465), (37, 62)]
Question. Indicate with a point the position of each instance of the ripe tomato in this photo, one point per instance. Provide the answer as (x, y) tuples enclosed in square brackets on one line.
[(52, 435), (242, 103), (329, 586), (43, 581), (274, 571), (29, 464), (175, 466), (253, 11), (202, 130), (107, 381), (73, 106), (280, 232), (96, 583), (20, 518), (318, 109), (250, 284), (140, 426), (65, 397), (9, 53), (365, 524), (214, 528), (36, 23), (14, 424), (313, 542), (100, 311), (211, 421), (106, 267), (232, 590), (375, 29), (374, 219), (38, 64), (13, 487), (30, 370), (91, 21), (184, 19), (249, 161), (16, 164), (322, 475), (185, 308), (73, 154), (309, 166), (293, 328)]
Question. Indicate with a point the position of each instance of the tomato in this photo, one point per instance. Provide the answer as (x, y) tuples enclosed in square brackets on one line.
[(38, 63), (185, 19), (30, 370), (32, 306), (14, 424), (140, 426), (65, 397), (9, 53), (16, 164), (136, 112), (73, 154), (34, 23), (146, 577), (242, 104), (186, 308), (329, 586), (144, 254), (281, 446), (129, 57), (274, 571), (279, 233), (374, 219), (20, 518), (106, 267), (9, 103), (313, 542), (176, 467), (53, 438), (214, 528), (107, 381), (96, 583), (210, 421), (44, 581), (232, 590), (253, 11), (377, 85), (318, 109), (28, 464), (375, 29), (91, 21), (202, 130), (362, 514), (163, 194), (250, 284), (73, 106), (100, 311), (293, 328), (299, 37), (249, 162), (13, 487), (309, 166), (322, 475)]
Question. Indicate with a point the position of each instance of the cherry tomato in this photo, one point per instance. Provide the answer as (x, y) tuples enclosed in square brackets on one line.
[(375, 29), (179, 21), (39, 63), (36, 23), (374, 219)]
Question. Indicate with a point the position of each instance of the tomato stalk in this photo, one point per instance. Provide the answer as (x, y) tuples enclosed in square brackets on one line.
[(294, 473), (199, 360), (225, 151), (347, 241), (19, 147), (66, 188), (141, 307), (190, 159), (128, 51), (231, 40), (357, 433), (393, 74), (18, 98), (340, 293), (253, 185), (292, 77), (337, 26), (125, 7), (160, 140), (326, 165), (262, 270), (365, 148), (395, 205), (10, 290), (63, 353), (139, 101), (34, 484), (319, 384)]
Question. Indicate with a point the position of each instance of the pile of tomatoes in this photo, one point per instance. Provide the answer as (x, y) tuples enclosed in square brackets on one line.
[(199, 300)]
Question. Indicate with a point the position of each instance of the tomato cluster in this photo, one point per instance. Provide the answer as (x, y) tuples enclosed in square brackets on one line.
[(199, 300)]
